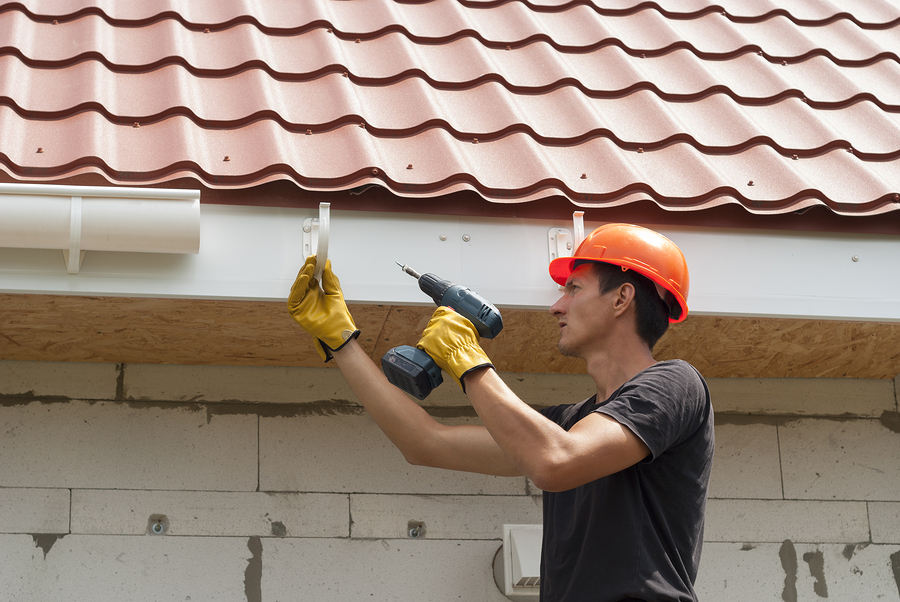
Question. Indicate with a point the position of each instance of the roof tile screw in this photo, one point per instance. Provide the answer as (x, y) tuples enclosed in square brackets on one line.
[(409, 166), (345, 74), (474, 140), (784, 63), (850, 150), (794, 157), (750, 183), (643, 56), (330, 30), (509, 47), (136, 125), (309, 132), (584, 176), (759, 52), (362, 125), (374, 172), (55, 22), (206, 30), (640, 150), (358, 41), (897, 198), (40, 149), (227, 158)]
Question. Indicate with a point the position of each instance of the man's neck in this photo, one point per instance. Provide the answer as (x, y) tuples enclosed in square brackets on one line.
[(613, 369)]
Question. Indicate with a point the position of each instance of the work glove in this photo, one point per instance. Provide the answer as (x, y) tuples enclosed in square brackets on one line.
[(321, 311), (452, 342)]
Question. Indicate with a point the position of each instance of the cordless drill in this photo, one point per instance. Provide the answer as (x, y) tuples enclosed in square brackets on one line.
[(413, 370)]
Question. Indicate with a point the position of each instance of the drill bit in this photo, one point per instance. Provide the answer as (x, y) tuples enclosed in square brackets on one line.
[(409, 270)]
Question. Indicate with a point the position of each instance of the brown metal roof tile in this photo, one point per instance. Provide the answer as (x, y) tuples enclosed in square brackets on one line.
[(682, 102)]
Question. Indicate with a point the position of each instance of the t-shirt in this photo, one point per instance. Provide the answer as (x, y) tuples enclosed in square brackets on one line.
[(636, 533)]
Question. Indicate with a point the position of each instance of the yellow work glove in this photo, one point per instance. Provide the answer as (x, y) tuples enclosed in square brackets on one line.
[(452, 342), (321, 311)]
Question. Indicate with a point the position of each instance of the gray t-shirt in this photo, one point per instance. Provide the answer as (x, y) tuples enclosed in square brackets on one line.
[(637, 533)]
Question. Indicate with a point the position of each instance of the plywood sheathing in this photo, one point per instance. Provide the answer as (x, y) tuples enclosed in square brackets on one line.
[(247, 333)]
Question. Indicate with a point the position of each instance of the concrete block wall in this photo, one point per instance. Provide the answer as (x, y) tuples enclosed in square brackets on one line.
[(267, 484)]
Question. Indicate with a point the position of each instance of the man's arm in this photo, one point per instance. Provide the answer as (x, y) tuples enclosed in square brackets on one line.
[(555, 459), (420, 438), (322, 312)]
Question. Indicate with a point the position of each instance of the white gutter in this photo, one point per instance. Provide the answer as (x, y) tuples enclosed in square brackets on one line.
[(76, 219), (254, 253)]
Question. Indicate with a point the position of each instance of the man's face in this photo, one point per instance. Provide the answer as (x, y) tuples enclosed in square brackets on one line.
[(583, 318)]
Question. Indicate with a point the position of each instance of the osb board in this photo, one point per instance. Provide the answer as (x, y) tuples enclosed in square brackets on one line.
[(159, 331), (180, 331), (765, 347)]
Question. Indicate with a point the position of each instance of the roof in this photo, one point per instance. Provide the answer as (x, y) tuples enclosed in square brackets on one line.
[(775, 108)]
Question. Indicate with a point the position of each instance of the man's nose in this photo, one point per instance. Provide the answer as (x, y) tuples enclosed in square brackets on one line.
[(556, 308)]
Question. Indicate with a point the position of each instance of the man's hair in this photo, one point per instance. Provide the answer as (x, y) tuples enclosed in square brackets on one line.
[(651, 312)]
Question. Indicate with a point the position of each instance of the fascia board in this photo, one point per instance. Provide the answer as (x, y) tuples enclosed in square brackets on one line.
[(254, 253)]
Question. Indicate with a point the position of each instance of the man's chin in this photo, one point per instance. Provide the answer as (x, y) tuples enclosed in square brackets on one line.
[(565, 350)]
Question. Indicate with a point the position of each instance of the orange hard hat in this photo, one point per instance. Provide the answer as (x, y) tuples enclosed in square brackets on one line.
[(635, 248)]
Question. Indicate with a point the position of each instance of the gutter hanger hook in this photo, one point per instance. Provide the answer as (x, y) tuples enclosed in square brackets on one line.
[(315, 237)]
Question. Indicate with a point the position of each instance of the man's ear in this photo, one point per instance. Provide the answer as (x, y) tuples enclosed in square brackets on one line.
[(624, 297)]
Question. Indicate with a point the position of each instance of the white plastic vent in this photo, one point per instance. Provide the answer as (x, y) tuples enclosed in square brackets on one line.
[(517, 565)]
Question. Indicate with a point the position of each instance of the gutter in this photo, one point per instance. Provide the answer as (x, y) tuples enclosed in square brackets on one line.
[(254, 253)]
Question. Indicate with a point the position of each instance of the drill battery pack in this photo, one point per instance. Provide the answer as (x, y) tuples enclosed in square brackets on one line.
[(411, 370)]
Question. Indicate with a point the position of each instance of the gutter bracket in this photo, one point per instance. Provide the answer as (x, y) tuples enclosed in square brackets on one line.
[(561, 242), (74, 256), (315, 237)]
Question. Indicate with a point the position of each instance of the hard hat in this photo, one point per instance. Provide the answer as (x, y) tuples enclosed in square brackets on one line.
[(635, 248)]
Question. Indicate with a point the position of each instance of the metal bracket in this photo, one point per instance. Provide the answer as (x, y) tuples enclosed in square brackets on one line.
[(74, 255), (315, 237), (561, 242)]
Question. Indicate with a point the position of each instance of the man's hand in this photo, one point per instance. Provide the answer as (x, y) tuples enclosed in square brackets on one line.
[(321, 311), (452, 342)]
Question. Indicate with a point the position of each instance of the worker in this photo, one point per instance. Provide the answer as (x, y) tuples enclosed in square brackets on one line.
[(624, 472)]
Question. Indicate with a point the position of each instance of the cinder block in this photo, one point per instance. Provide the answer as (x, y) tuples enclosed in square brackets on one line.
[(398, 570), (840, 459), (72, 380), (777, 520), (805, 396), (349, 453), (103, 512), (138, 569), (109, 445), (885, 521), (34, 510), (274, 384), (746, 462), (443, 517), (796, 572), (740, 573)]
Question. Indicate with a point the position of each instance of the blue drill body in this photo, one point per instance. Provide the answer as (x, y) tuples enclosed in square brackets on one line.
[(412, 369)]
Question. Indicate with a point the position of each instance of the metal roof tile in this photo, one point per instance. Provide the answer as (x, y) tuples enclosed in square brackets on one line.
[(682, 102)]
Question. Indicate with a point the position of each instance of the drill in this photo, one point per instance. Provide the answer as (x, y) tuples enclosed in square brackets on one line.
[(413, 370)]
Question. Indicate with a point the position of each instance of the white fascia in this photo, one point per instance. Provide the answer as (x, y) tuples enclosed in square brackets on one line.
[(254, 253)]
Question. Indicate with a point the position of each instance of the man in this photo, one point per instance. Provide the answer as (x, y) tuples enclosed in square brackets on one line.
[(624, 473)]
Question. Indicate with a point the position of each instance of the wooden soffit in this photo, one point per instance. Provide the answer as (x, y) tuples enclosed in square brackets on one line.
[(247, 333)]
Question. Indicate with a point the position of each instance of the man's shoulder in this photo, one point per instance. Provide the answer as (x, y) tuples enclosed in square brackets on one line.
[(671, 371)]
